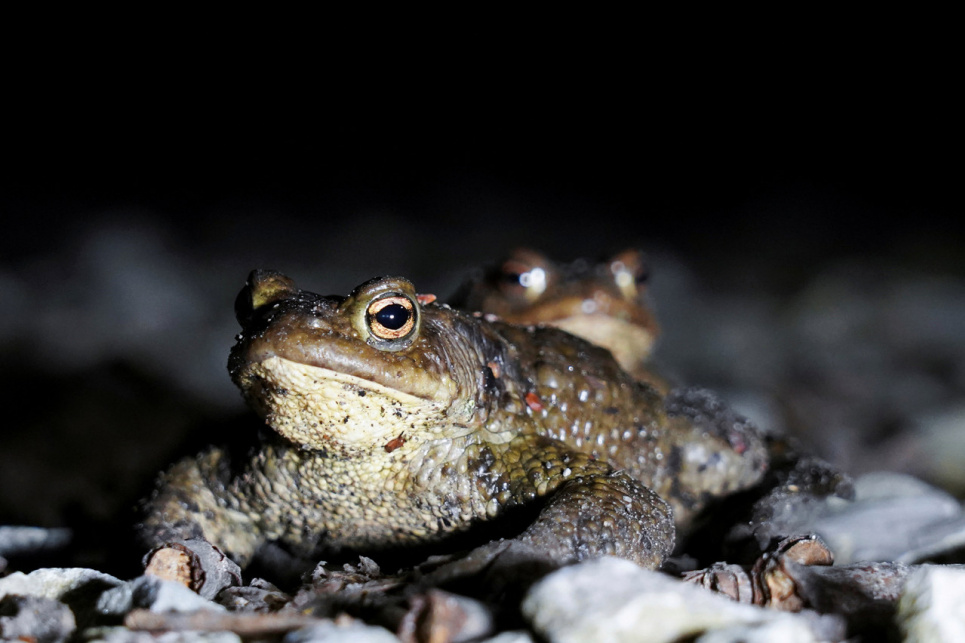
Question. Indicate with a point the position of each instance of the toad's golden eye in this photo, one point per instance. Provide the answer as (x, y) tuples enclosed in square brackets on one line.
[(391, 317)]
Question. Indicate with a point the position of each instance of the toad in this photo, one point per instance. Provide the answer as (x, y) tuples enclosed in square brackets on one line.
[(397, 422), (603, 302)]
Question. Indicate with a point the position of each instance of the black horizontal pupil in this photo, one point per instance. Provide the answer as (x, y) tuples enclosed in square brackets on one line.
[(393, 316)]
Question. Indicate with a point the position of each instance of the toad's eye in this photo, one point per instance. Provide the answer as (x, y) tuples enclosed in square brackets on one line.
[(630, 272), (518, 279), (391, 317)]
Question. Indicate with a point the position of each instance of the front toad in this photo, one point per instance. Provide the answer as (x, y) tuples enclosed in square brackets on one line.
[(398, 422)]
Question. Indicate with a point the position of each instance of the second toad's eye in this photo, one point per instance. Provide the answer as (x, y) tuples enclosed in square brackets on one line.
[(517, 278), (630, 272), (391, 317)]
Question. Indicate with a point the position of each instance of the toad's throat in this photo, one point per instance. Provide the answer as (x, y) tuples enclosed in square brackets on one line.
[(323, 409)]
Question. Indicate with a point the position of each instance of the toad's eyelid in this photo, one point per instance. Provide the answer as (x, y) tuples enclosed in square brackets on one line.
[(388, 300)]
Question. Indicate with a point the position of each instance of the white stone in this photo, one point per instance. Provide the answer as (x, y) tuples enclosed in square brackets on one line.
[(333, 633), (52, 582), (932, 605), (780, 630), (610, 599), (514, 636)]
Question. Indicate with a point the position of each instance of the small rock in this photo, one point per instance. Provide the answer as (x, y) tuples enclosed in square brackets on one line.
[(609, 599), (257, 596), (438, 615), (335, 633), (16, 541), (247, 625), (932, 606), (80, 589), (941, 444), (124, 635), (155, 594), (55, 582), (515, 636), (894, 517), (866, 595), (784, 631), (34, 618)]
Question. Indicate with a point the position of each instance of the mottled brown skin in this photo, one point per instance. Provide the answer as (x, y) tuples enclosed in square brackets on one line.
[(399, 424), (605, 303)]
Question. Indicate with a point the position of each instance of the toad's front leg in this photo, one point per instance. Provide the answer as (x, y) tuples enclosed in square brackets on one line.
[(190, 522), (589, 516), (604, 515)]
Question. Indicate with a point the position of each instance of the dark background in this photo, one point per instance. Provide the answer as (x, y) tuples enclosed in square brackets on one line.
[(135, 202)]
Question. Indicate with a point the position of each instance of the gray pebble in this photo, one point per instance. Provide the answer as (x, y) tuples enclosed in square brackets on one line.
[(609, 599), (124, 635), (55, 582), (150, 592), (515, 636), (26, 540), (334, 633), (894, 517), (34, 618)]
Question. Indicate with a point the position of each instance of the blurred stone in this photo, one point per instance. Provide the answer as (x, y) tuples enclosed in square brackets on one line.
[(894, 517), (611, 599), (258, 596), (34, 618), (251, 626), (16, 541), (932, 606), (80, 589), (866, 595), (769, 632), (155, 594), (941, 446), (124, 635), (438, 616), (336, 633), (510, 637), (55, 583)]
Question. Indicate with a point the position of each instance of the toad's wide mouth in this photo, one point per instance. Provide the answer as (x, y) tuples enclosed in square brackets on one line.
[(319, 408)]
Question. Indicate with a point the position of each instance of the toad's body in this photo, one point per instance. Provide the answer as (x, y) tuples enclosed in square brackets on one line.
[(398, 423)]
